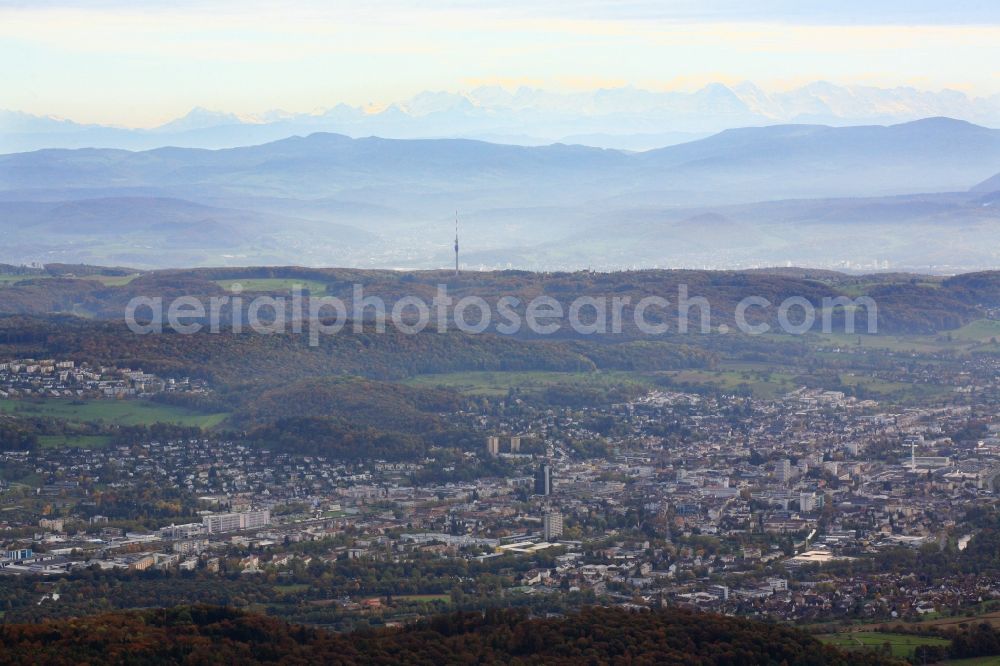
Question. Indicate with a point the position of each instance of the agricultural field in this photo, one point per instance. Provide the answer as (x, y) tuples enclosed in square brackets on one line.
[(74, 441), (900, 392), (107, 280), (863, 287), (902, 645), (758, 380), (895, 343), (112, 280), (120, 412), (979, 334), (9, 279), (273, 284), (761, 383), (423, 598), (766, 383), (992, 618), (494, 383), (981, 330)]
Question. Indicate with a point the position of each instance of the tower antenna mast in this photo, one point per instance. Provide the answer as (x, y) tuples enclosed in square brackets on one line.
[(456, 243)]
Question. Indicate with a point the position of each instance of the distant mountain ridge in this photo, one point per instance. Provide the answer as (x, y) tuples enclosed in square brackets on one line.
[(626, 117), (991, 184), (933, 154), (328, 198)]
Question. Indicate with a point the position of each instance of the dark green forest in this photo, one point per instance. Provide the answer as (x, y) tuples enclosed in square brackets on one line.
[(215, 635), (906, 303)]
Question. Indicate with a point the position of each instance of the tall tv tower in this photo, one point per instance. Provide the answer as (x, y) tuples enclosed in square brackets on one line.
[(456, 243)]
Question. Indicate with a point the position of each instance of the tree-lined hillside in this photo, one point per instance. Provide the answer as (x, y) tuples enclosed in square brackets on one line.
[(277, 359), (205, 634), (906, 303)]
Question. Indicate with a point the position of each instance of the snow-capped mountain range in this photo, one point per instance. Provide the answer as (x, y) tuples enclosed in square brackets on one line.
[(627, 118)]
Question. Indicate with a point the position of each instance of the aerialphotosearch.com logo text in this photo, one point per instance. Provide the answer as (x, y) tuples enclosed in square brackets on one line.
[(508, 315)]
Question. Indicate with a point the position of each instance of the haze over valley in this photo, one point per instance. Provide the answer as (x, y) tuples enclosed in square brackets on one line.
[(476, 332), (922, 193)]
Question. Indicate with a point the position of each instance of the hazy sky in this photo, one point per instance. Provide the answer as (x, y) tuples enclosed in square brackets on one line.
[(111, 62)]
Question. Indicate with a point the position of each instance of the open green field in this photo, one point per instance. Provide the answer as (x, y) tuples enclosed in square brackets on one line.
[(74, 441), (861, 288), (757, 379), (981, 330), (761, 383), (896, 391), (112, 280), (499, 382), (7, 278), (273, 284), (973, 335), (897, 343), (107, 280), (423, 598), (992, 618), (121, 412), (902, 645)]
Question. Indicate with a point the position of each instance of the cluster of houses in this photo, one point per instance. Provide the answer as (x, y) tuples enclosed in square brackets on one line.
[(51, 378), (747, 505)]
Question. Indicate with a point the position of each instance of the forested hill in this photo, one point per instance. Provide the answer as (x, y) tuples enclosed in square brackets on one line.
[(247, 357), (906, 303), (204, 634), (336, 398)]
